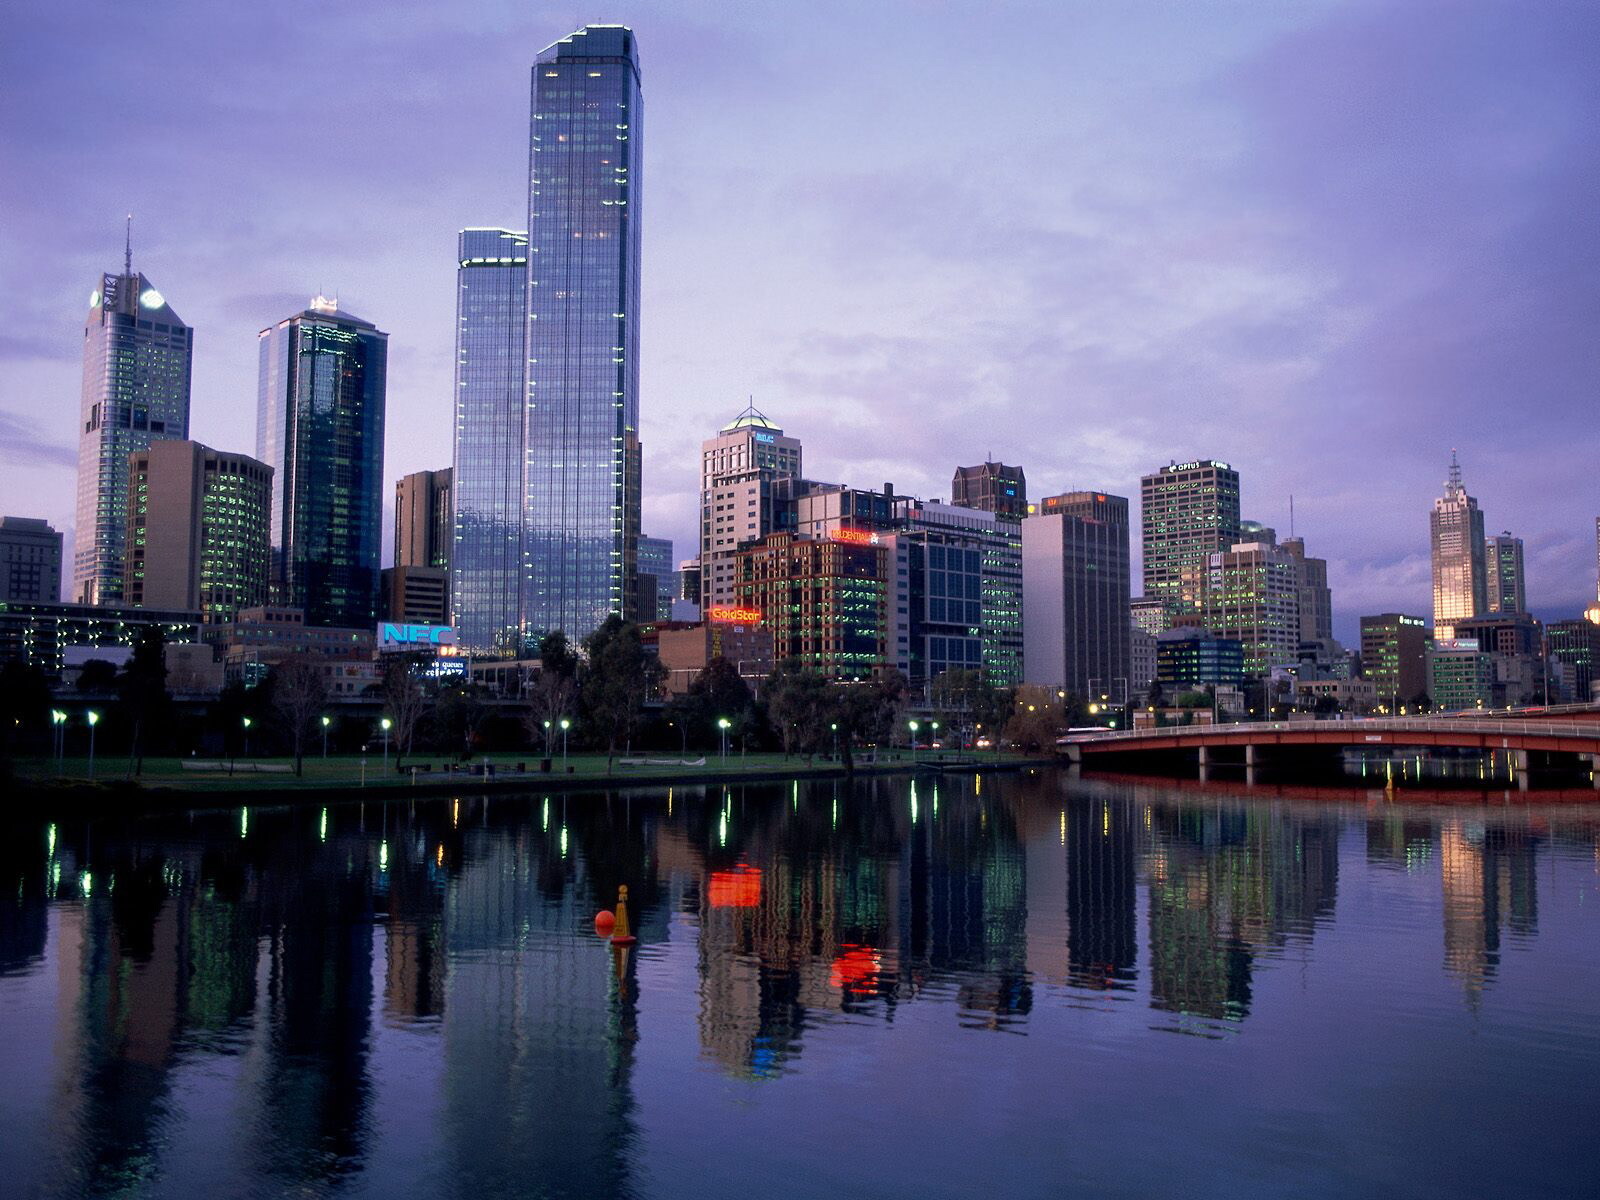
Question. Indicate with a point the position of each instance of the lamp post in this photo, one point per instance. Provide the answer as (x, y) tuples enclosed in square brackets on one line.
[(247, 724), (722, 725), (58, 723), (834, 725), (683, 737), (913, 727), (385, 723), (547, 737), (565, 725), (94, 719), (326, 721), (934, 735)]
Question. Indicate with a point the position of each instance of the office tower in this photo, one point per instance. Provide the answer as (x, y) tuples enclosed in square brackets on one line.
[(1252, 593), (198, 530), (1075, 575), (415, 595), (825, 602), (30, 560), (423, 521), (1460, 676), (1149, 614), (488, 484), (935, 622), (1515, 643), (583, 456), (1191, 658), (738, 469), (655, 578), (1460, 584), (1141, 660), (1189, 511), (137, 359), (319, 426), (1316, 600), (823, 510), (1394, 656), (993, 487), (1575, 653), (1508, 593), (688, 581), (999, 542)]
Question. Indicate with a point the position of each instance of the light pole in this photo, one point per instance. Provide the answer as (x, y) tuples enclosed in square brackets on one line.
[(94, 719), (58, 722), (547, 736), (247, 737), (386, 722), (565, 725), (834, 725), (933, 736), (914, 727), (325, 722), (683, 737), (722, 726)]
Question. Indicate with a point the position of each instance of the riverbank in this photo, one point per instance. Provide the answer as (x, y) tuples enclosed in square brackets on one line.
[(168, 783)]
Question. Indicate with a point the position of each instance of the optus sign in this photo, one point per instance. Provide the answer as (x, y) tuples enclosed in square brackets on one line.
[(415, 637)]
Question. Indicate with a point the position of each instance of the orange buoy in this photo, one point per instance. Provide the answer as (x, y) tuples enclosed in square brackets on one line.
[(604, 921), (621, 935)]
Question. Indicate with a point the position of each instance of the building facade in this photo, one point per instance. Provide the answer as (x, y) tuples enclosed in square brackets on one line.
[(685, 652), (1574, 648), (1394, 656), (1460, 578), (137, 361), (424, 524), (993, 487), (199, 530), (260, 638), (582, 453), (488, 482), (1191, 658), (1075, 574), (1188, 512), (935, 604), (738, 500), (656, 591), (1251, 593), (30, 560), (39, 634), (824, 601), (1460, 676), (1315, 597), (319, 426), (1508, 591), (416, 595)]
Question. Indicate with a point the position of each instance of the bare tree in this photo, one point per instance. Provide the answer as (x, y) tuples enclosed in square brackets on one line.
[(299, 694), (405, 703), (552, 697)]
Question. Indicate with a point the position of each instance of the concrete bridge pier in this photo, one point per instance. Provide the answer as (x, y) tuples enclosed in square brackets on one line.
[(1519, 767), (1205, 764), (1594, 771)]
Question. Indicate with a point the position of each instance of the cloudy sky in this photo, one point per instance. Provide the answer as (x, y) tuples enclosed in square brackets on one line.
[(1324, 240)]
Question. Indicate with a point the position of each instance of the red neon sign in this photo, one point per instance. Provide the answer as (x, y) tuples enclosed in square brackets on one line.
[(856, 537), (723, 612)]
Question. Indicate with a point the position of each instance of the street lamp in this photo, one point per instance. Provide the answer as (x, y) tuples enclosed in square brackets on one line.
[(58, 723), (385, 723), (94, 719), (683, 736), (565, 725), (326, 721), (723, 724), (247, 737), (914, 727), (834, 725), (934, 736)]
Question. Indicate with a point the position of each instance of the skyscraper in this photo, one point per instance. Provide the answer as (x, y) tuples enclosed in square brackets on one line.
[(1076, 626), (737, 470), (319, 426), (991, 486), (198, 523), (422, 519), (655, 578), (1189, 512), (583, 455), (488, 483), (1251, 594), (1508, 593), (1394, 656), (1316, 600), (30, 560), (1460, 585), (137, 359)]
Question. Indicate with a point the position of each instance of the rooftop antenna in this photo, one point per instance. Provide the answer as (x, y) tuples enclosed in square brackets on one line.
[(127, 248), (1291, 514), (1455, 470)]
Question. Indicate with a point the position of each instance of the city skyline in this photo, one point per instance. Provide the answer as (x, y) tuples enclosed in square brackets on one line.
[(1320, 353)]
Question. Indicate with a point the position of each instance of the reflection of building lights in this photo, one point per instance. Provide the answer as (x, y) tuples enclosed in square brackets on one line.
[(738, 888), (855, 967)]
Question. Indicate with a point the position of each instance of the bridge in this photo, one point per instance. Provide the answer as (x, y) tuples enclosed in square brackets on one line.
[(1571, 742)]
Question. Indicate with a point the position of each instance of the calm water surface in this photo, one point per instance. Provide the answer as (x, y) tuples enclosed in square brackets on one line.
[(1016, 986)]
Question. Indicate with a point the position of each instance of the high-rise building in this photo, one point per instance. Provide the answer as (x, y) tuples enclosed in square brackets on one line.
[(655, 578), (688, 581), (1460, 583), (1316, 599), (999, 539), (1189, 511), (30, 560), (1508, 593), (738, 469), (993, 487), (1251, 593), (198, 530), (824, 601), (319, 426), (935, 609), (1574, 647), (137, 360), (423, 521), (416, 595), (1191, 657), (488, 485), (582, 447), (1075, 575), (1394, 656)]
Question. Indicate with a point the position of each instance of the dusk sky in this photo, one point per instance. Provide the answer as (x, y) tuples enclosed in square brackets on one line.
[(1325, 242)]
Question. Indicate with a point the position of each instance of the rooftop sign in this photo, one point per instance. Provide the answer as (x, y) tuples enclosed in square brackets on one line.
[(727, 613), (393, 637)]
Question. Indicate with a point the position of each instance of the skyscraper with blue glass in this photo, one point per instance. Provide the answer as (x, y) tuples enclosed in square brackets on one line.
[(581, 520), (489, 482), (319, 425)]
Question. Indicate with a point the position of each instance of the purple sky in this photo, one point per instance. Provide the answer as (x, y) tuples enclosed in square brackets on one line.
[(1323, 241)]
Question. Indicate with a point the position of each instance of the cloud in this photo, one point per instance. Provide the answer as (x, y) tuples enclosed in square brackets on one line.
[(21, 445)]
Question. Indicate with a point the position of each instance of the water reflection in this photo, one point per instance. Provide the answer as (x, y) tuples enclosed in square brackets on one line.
[(225, 990)]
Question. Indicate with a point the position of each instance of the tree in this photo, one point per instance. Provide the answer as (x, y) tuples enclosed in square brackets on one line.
[(717, 693), (299, 693), (24, 701), (618, 676), (867, 712), (459, 714), (1038, 717), (798, 705), (97, 676), (142, 693), (404, 702), (555, 692)]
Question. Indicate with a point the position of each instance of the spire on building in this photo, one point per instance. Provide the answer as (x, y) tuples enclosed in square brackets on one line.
[(127, 247), (1453, 484), (751, 418)]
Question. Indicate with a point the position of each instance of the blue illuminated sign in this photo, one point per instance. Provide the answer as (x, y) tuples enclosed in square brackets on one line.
[(414, 637)]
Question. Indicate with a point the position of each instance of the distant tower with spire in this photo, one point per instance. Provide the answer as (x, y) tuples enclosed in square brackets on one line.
[(738, 468), (1460, 575), (137, 361)]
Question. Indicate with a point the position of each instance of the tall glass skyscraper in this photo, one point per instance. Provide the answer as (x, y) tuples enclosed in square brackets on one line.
[(137, 359), (319, 426), (1460, 578), (582, 450), (489, 481)]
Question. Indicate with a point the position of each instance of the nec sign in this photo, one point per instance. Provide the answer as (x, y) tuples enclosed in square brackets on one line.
[(414, 637), (765, 437)]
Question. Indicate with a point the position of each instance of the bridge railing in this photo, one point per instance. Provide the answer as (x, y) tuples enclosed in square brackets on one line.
[(1445, 725)]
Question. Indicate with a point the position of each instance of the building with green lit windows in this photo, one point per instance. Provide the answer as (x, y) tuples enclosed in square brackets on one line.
[(823, 600), (1189, 511)]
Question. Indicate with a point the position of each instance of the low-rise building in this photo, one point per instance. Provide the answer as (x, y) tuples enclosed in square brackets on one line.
[(38, 634), (1188, 657), (30, 561), (260, 638), (1460, 676), (735, 634)]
